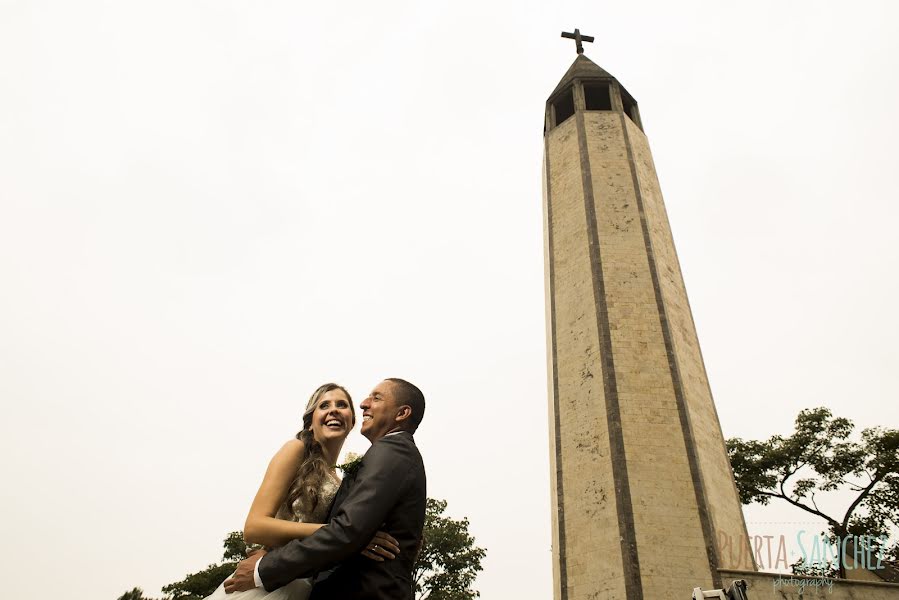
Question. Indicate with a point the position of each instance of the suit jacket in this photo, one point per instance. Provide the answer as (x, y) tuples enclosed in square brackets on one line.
[(386, 493)]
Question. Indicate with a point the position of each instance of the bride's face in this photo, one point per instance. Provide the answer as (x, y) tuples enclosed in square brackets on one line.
[(332, 417)]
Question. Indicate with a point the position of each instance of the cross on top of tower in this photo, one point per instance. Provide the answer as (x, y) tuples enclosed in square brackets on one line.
[(578, 38)]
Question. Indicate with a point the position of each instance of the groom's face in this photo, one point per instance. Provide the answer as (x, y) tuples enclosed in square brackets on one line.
[(379, 411)]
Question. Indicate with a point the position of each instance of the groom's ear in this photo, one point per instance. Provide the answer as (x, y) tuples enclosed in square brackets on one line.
[(404, 413)]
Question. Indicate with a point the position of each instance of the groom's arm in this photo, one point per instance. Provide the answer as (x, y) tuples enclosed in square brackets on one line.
[(379, 484)]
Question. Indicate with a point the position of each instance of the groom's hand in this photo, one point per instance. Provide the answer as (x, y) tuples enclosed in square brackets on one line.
[(243, 578), (382, 546)]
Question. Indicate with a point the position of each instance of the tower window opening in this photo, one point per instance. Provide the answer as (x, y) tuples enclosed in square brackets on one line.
[(597, 96), (630, 108), (564, 106)]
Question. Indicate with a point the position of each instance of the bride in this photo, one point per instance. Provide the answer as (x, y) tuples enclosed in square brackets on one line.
[(298, 487)]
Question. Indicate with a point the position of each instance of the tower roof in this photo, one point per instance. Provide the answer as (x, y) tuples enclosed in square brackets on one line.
[(581, 68)]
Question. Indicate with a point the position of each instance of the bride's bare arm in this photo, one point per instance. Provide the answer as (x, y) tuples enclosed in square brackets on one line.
[(262, 527)]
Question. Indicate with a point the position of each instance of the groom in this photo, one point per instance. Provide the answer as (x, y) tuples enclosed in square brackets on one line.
[(386, 492)]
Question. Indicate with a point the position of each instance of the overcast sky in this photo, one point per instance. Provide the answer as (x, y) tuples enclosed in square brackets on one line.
[(209, 208)]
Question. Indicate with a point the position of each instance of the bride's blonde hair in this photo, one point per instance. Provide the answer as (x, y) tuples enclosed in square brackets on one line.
[(313, 470)]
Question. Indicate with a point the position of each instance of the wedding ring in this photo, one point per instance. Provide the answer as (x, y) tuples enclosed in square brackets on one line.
[(375, 547)]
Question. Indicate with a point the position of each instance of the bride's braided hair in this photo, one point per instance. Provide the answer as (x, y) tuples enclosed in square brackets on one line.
[(314, 469)]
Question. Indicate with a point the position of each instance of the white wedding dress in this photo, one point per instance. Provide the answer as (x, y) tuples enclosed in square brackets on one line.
[(298, 589)]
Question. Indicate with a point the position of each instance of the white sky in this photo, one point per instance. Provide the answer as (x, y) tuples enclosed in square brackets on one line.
[(209, 208)]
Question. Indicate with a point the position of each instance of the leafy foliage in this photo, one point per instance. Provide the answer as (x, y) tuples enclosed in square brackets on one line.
[(448, 561), (134, 594), (827, 570), (235, 547), (445, 568), (820, 457), (196, 586)]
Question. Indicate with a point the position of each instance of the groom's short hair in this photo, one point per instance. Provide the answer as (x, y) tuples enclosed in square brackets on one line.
[(409, 395)]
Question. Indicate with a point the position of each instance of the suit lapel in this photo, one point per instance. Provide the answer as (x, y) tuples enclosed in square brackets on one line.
[(350, 479)]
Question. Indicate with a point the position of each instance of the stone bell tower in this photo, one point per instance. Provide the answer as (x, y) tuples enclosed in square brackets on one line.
[(643, 492)]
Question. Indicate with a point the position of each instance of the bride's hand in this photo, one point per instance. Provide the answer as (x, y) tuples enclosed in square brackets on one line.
[(381, 547)]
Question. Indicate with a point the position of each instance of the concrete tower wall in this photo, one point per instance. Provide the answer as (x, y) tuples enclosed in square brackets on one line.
[(644, 502), (587, 541), (641, 482), (704, 429), (667, 528)]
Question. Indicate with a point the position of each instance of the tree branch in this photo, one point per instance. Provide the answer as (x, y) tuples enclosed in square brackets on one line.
[(815, 504), (857, 501), (788, 474), (800, 505)]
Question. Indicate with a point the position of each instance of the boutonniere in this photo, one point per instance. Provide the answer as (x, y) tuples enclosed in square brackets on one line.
[(352, 464)]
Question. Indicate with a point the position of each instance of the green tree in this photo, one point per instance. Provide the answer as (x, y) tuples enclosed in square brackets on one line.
[(445, 569), (448, 561), (196, 586), (819, 457), (134, 594)]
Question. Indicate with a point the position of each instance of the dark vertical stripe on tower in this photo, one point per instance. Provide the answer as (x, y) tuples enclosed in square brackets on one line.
[(632, 585), (560, 497), (676, 381)]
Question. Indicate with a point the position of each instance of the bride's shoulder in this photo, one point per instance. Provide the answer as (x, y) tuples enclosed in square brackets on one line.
[(291, 452), (293, 443), (293, 446)]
